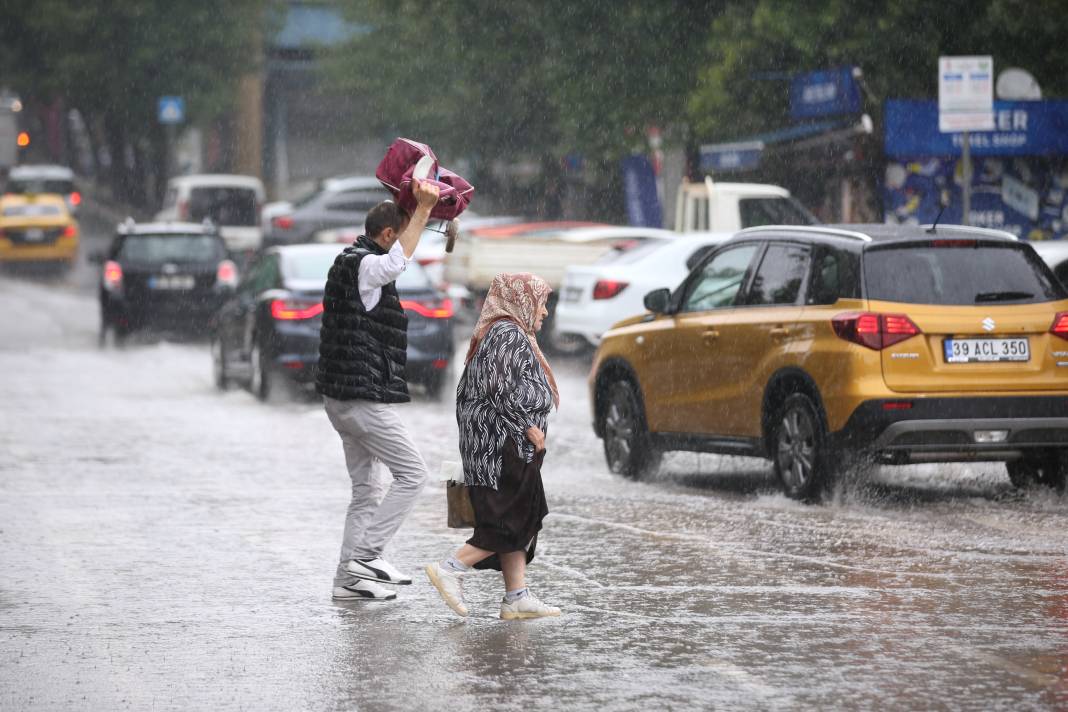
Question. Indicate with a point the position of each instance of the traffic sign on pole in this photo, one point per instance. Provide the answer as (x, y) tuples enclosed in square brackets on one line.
[(965, 94), (171, 109)]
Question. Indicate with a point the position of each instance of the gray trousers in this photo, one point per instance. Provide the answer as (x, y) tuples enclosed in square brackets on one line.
[(373, 432)]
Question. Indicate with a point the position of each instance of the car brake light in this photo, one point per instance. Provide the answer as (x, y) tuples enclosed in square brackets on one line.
[(439, 310), (282, 222), (70, 231), (75, 198), (608, 288), (226, 274), (1060, 325), (953, 243), (289, 310), (112, 276), (875, 331), (897, 405)]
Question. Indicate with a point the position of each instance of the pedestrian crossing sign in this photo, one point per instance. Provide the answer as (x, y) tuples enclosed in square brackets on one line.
[(171, 109)]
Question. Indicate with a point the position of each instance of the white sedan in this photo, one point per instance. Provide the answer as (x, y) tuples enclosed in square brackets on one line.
[(594, 297)]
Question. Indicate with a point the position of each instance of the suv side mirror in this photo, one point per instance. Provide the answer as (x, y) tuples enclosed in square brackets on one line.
[(658, 301)]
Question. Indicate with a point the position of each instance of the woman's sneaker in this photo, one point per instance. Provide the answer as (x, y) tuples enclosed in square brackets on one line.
[(449, 585), (363, 591), (378, 570), (527, 607)]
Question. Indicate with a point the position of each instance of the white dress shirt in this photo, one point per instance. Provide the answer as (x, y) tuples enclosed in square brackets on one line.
[(376, 271)]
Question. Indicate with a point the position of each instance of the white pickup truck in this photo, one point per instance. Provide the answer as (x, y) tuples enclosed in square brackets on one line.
[(711, 206)]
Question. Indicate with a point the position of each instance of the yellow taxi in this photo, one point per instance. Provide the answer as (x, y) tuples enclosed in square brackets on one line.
[(37, 228), (821, 348)]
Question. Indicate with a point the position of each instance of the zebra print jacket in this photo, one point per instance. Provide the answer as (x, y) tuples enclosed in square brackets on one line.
[(502, 392)]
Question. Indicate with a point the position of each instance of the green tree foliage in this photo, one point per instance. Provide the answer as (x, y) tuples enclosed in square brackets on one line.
[(487, 77), (754, 46), (113, 59)]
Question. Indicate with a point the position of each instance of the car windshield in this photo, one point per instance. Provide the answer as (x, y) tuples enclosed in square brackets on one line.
[(312, 266), (150, 249), (224, 205), (32, 211), (957, 273), (23, 186)]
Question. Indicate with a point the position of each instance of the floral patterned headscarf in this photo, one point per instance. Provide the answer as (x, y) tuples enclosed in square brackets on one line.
[(517, 297)]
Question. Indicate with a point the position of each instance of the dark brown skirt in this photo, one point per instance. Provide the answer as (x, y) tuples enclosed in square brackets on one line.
[(509, 518)]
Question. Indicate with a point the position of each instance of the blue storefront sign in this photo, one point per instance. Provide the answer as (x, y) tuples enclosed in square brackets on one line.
[(1022, 128), (1019, 173), (731, 156), (642, 198), (826, 93)]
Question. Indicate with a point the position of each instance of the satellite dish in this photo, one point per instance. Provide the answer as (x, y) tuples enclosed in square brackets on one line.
[(1016, 83)]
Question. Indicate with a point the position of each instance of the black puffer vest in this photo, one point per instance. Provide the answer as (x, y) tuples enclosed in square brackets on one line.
[(361, 353)]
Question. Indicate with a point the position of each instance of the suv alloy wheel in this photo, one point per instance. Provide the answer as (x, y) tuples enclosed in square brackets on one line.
[(626, 443), (799, 442)]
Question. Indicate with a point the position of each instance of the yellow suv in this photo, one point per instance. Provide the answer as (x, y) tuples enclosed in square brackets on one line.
[(823, 347)]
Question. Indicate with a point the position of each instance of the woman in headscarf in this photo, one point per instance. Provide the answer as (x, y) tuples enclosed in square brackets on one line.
[(502, 403)]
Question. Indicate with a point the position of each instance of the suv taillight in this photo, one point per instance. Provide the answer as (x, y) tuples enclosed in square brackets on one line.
[(1060, 325), (290, 309), (112, 276), (875, 331), (226, 274), (282, 222)]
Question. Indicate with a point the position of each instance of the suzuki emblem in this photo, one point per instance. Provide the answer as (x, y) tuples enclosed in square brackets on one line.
[(988, 324)]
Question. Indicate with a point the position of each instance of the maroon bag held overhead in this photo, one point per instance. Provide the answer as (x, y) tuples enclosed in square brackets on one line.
[(407, 159)]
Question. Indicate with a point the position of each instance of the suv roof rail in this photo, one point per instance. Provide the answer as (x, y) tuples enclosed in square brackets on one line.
[(128, 225), (988, 231), (814, 229)]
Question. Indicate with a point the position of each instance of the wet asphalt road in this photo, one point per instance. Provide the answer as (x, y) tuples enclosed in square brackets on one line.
[(167, 546)]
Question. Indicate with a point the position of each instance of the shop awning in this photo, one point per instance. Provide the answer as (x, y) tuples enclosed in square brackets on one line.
[(746, 154)]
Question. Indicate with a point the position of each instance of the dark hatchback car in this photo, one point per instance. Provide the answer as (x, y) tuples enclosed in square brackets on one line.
[(170, 276), (269, 329)]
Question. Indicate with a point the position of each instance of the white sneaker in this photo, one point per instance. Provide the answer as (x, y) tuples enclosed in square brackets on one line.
[(363, 591), (378, 570), (527, 607), (449, 585)]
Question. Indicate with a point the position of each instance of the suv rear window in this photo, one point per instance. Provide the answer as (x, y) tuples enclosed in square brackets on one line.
[(157, 249), (963, 272), (225, 206)]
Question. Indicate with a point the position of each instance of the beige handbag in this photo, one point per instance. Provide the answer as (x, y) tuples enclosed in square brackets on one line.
[(461, 515)]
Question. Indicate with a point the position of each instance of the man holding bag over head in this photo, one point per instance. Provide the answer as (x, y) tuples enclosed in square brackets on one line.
[(362, 355)]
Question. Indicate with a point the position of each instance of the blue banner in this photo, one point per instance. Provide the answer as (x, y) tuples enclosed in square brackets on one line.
[(731, 156), (643, 200), (826, 93), (1023, 128)]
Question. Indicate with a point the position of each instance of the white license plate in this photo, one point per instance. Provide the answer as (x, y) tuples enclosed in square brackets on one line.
[(171, 281), (34, 235), (986, 350), (572, 294)]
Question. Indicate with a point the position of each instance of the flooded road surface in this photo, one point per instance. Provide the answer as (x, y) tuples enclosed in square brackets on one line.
[(167, 546)]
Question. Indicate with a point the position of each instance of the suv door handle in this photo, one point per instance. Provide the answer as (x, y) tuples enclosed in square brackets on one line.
[(779, 332)]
